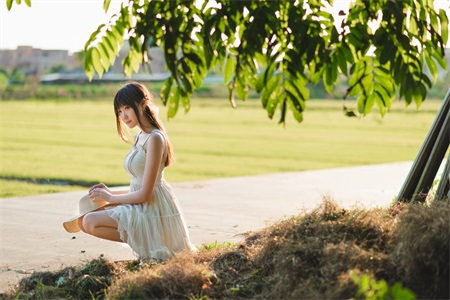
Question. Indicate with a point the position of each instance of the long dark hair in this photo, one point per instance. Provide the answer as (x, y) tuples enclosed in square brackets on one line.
[(133, 94)]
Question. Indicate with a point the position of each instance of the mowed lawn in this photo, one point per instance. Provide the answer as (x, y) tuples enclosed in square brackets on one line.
[(52, 146)]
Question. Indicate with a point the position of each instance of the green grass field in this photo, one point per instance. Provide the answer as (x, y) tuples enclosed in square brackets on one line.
[(52, 146)]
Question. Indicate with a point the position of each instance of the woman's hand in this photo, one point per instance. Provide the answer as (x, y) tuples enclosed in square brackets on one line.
[(100, 186), (100, 192)]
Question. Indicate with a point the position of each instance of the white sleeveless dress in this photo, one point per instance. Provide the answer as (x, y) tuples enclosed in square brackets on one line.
[(156, 229)]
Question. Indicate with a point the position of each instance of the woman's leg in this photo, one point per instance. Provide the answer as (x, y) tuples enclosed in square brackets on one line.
[(101, 225)]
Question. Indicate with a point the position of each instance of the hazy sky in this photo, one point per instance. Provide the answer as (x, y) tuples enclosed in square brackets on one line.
[(52, 24), (67, 24)]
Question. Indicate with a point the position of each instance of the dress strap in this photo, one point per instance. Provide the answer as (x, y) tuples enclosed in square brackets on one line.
[(136, 137)]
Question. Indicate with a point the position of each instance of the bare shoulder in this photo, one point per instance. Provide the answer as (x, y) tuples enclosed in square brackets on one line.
[(156, 140), (157, 137)]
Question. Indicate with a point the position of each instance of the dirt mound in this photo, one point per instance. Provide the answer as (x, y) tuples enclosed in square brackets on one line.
[(315, 255)]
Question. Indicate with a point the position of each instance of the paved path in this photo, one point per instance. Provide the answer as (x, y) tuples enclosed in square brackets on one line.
[(32, 237)]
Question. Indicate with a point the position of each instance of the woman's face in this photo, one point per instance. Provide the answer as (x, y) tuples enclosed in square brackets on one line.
[(128, 116)]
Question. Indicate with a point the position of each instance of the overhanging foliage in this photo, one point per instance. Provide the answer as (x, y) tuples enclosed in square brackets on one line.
[(277, 47)]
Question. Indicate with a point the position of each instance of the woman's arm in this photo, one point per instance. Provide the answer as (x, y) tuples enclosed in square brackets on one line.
[(155, 149), (120, 192), (113, 191)]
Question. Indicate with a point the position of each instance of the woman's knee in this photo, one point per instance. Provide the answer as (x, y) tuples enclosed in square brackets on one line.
[(80, 223), (88, 223)]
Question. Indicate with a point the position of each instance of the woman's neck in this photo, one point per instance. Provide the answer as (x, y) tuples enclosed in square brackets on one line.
[(147, 129), (146, 126)]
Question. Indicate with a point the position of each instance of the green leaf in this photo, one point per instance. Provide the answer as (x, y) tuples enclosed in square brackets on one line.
[(241, 88), (298, 115), (104, 56), (432, 67), (96, 62), (230, 65), (269, 72), (368, 105), (112, 41), (28, 3), (355, 40), (174, 100), (197, 80), (165, 89), (273, 101), (187, 83), (109, 48), (106, 5), (327, 79), (88, 65), (252, 76), (260, 83), (412, 23), (386, 52), (444, 26), (380, 101), (136, 59), (303, 90), (186, 102), (126, 65), (433, 21), (360, 102), (354, 90), (9, 4), (438, 57), (265, 76), (330, 75), (271, 107), (420, 93), (408, 88), (347, 53), (425, 79), (195, 58), (117, 31), (185, 66), (399, 292), (270, 87), (299, 92), (364, 283), (382, 91), (131, 62), (93, 36), (342, 62)]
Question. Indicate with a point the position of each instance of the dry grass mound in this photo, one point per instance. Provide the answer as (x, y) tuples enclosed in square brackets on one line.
[(85, 282), (420, 250), (310, 256)]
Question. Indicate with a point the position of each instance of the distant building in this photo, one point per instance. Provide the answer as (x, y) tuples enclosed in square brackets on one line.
[(31, 60), (157, 60), (34, 61)]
